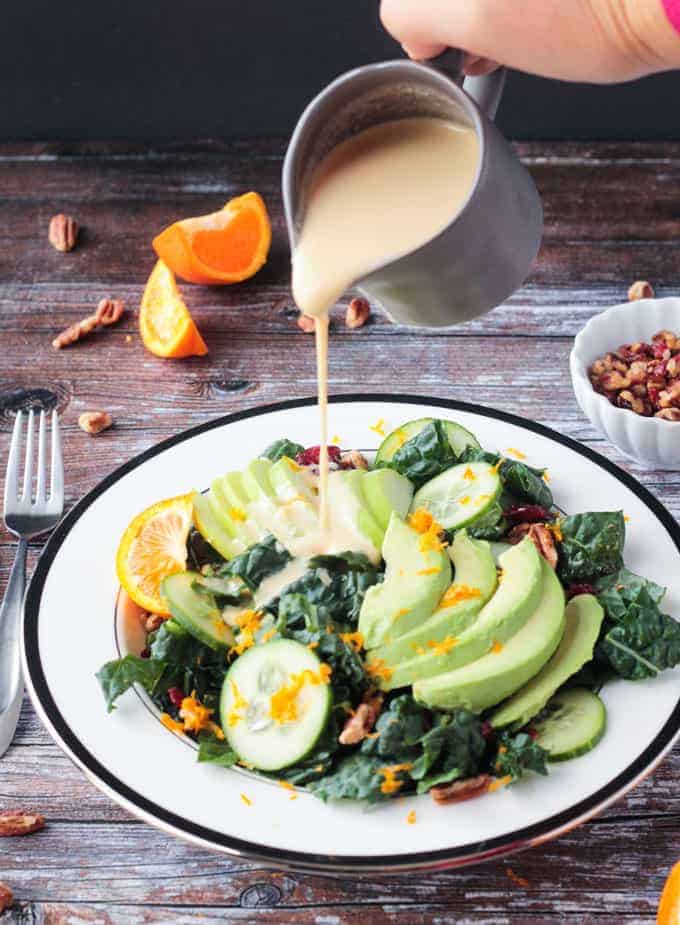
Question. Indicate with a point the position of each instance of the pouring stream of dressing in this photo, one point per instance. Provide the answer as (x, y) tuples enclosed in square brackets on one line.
[(376, 196)]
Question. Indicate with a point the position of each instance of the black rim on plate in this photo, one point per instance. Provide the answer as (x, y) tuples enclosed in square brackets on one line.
[(446, 857)]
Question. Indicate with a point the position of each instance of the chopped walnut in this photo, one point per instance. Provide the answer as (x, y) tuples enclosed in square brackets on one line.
[(306, 323), (540, 536), (668, 414), (109, 311), (353, 459), (153, 621), (94, 422), (358, 312), (640, 290), (461, 790), (360, 723)]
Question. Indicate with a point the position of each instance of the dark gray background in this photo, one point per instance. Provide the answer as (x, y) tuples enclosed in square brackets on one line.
[(184, 69)]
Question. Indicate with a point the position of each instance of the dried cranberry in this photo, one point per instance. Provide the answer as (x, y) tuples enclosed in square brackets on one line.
[(659, 369), (528, 514), (653, 394), (575, 589), (661, 351), (176, 696), (310, 456), (533, 733), (145, 653), (487, 731)]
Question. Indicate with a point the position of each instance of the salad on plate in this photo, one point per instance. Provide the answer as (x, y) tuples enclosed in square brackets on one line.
[(448, 631)]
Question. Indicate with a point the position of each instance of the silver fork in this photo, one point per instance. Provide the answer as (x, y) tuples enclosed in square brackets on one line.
[(26, 515)]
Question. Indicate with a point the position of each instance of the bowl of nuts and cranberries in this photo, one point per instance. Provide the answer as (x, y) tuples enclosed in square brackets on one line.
[(625, 368)]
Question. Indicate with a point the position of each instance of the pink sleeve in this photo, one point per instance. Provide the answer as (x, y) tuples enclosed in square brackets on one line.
[(672, 8)]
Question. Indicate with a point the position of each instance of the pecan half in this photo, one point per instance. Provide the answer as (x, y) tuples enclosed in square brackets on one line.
[(63, 232), (540, 536), (94, 422), (358, 312), (640, 289), (360, 723), (461, 790), (306, 323), (20, 822), (353, 459), (6, 897), (108, 312)]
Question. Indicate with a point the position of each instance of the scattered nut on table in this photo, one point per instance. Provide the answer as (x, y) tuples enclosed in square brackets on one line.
[(20, 822), (306, 323), (358, 312), (108, 312), (94, 422), (640, 289), (6, 897), (63, 232)]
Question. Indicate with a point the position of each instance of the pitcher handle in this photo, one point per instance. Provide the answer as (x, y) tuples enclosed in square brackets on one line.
[(486, 91)]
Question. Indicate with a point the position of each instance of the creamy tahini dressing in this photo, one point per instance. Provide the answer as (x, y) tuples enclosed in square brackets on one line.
[(272, 586), (378, 195)]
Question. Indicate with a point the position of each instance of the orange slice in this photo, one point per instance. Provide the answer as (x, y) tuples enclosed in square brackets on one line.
[(167, 328), (224, 247), (669, 905), (153, 547)]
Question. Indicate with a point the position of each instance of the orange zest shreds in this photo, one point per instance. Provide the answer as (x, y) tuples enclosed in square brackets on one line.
[(336, 441), (556, 530), (443, 647), (314, 644), (545, 476), (626, 518), (422, 521), (466, 499), (402, 572), (167, 328), (481, 499), (411, 818), (286, 784), (171, 723), (518, 454), (246, 800), (502, 749), (268, 635), (283, 703), (520, 881), (420, 650), (196, 717), (433, 570), (292, 464), (378, 427), (371, 735), (356, 640), (401, 437), (401, 613), (248, 623), (392, 783), (239, 705), (497, 647), (454, 594), (500, 574), (469, 475), (223, 247), (494, 470), (236, 513), (669, 904), (432, 542), (318, 768), (499, 782), (377, 668)]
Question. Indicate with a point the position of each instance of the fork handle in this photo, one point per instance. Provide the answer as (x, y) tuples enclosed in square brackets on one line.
[(10, 620)]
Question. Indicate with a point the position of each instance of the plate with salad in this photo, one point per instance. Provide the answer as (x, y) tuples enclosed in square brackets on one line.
[(476, 652)]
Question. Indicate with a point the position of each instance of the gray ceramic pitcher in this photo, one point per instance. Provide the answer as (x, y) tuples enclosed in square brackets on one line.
[(487, 251)]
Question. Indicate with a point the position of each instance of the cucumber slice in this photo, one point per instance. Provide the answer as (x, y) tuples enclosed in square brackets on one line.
[(196, 612), (575, 722), (261, 741), (460, 495), (459, 438), (212, 530)]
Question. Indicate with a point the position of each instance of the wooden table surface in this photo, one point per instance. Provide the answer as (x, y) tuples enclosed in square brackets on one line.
[(612, 216)]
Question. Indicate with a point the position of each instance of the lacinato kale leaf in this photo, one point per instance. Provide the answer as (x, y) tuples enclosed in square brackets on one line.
[(257, 562), (336, 598), (200, 553), (343, 562), (591, 545), (117, 676), (519, 753), (618, 591), (348, 679), (424, 456), (216, 751), (280, 448), (400, 730), (319, 762), (356, 777), (492, 526), (452, 748), (189, 665)]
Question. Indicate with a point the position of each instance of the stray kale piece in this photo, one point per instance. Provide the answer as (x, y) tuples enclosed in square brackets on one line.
[(591, 545), (424, 456), (280, 448), (257, 562), (618, 591), (492, 526), (452, 749), (519, 753), (356, 777), (119, 675), (520, 481), (216, 751)]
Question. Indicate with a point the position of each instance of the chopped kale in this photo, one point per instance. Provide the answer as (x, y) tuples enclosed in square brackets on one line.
[(257, 562), (216, 751), (424, 456), (591, 545), (117, 676), (518, 753), (280, 448)]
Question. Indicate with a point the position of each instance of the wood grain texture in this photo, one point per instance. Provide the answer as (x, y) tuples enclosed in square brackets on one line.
[(612, 216)]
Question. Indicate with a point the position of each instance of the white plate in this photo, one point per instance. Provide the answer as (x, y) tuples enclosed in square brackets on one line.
[(69, 633)]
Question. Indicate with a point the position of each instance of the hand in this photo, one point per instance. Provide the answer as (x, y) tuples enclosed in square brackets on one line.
[(598, 41)]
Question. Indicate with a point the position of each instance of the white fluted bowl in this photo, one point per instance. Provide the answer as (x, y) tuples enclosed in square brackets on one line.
[(650, 441)]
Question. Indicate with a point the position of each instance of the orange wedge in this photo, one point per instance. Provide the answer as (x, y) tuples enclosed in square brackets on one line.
[(224, 247), (669, 905), (167, 328), (153, 547)]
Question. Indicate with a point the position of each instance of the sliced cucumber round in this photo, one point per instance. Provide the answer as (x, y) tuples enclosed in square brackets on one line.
[(460, 495), (264, 735), (459, 438), (575, 722), (196, 612)]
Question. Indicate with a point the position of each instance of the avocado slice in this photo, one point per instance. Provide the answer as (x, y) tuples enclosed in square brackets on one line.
[(291, 482), (289, 521), (490, 679), (212, 530), (584, 616), (256, 482), (474, 571), (366, 522), (514, 601), (385, 491), (415, 579), (233, 517)]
